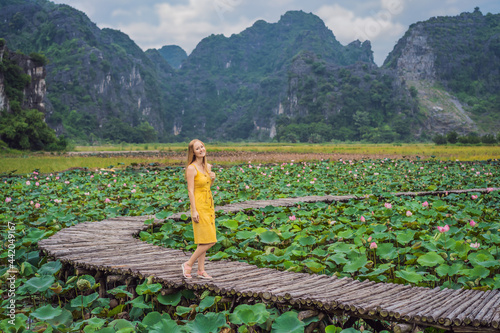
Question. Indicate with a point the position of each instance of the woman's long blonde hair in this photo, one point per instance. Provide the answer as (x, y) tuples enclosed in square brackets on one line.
[(191, 157)]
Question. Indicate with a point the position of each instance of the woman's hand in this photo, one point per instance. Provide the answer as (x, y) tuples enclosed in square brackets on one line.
[(196, 217), (212, 175)]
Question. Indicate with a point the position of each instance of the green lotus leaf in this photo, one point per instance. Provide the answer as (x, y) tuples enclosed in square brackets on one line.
[(269, 237), (38, 284), (172, 299), (411, 277), (206, 303), (288, 323), (207, 323), (307, 241), (139, 303), (167, 325), (46, 312), (338, 258), (120, 292), (447, 270), (50, 268), (430, 259), (182, 310), (94, 324), (120, 324), (386, 251), (332, 329), (219, 256), (20, 324), (148, 289), (405, 237), (231, 224), (245, 234), (61, 321), (355, 265), (314, 266), (83, 301), (249, 314)]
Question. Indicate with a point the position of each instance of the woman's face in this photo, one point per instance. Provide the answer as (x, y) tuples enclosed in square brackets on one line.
[(199, 149)]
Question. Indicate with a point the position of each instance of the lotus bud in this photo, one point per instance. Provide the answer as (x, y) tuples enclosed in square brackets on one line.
[(83, 284), (56, 288), (72, 279), (444, 255)]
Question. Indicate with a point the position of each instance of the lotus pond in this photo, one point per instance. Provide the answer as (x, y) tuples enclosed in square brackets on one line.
[(430, 241)]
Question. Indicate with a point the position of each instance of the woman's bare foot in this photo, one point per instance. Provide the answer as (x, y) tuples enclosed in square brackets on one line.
[(186, 270)]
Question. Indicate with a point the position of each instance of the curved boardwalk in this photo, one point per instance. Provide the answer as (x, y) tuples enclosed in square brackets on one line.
[(110, 247)]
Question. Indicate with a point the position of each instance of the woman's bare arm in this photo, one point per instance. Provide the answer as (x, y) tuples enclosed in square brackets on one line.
[(190, 174)]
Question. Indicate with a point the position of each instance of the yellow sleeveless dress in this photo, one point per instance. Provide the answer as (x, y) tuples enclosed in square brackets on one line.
[(204, 230)]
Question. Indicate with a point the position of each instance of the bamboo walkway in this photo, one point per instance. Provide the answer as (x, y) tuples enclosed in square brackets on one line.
[(111, 247)]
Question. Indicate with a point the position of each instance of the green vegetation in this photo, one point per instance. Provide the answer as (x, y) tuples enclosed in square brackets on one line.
[(314, 238), (472, 138), (21, 128)]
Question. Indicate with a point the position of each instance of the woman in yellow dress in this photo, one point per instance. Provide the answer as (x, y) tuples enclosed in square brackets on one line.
[(200, 178)]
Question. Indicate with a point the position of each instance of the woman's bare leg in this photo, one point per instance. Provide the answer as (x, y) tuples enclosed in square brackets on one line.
[(199, 255)]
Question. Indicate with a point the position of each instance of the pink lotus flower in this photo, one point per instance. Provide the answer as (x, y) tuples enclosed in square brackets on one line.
[(408, 213), (133, 191), (388, 205), (425, 204), (37, 205), (28, 183), (292, 217), (9, 199), (472, 223), (247, 187), (87, 193), (473, 197), (444, 229), (362, 219), (369, 239), (475, 245), (489, 189), (107, 200), (373, 245)]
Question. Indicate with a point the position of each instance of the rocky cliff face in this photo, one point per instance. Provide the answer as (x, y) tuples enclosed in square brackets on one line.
[(100, 83), (452, 63), (416, 57), (34, 92)]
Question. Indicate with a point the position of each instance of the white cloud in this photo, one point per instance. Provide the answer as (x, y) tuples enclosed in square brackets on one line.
[(185, 24), (347, 27)]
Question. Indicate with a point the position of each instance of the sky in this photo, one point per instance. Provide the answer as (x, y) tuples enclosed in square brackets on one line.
[(156, 23)]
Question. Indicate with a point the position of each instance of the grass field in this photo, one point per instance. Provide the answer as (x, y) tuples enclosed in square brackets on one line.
[(230, 154)]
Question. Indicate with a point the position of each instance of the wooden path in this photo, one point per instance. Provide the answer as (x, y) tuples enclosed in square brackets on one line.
[(111, 247)]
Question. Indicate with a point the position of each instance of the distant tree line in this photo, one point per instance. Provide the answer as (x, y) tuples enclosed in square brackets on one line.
[(471, 138)]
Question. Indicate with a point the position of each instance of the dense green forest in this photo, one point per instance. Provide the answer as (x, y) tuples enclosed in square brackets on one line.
[(23, 128), (286, 81)]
